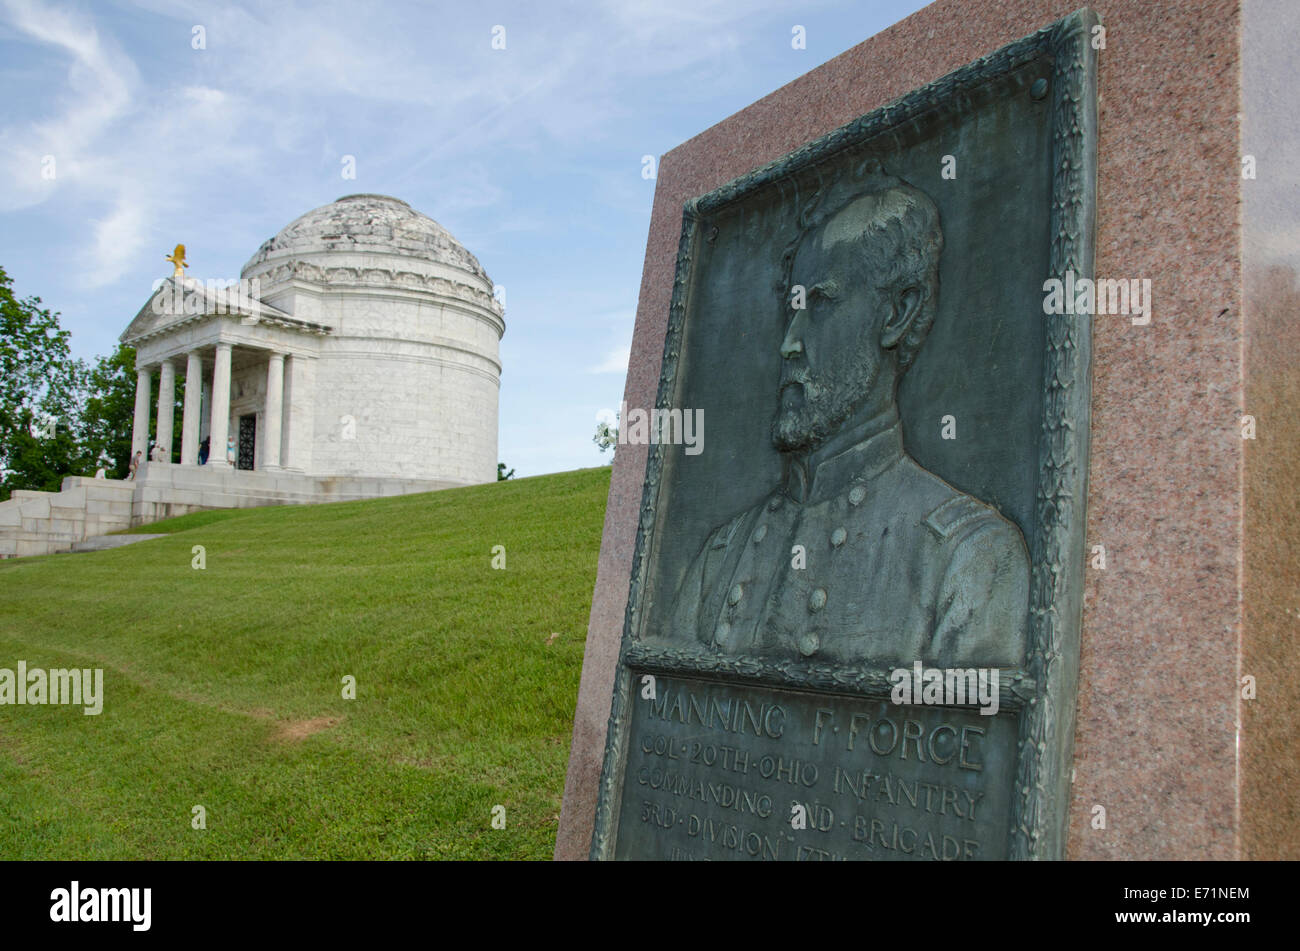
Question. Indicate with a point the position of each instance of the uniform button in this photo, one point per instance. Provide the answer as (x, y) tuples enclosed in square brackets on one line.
[(774, 504), (735, 594), (808, 643), (817, 600), (760, 533), (838, 536), (857, 494)]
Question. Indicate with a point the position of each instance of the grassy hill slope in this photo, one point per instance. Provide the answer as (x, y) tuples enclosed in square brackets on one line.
[(223, 686)]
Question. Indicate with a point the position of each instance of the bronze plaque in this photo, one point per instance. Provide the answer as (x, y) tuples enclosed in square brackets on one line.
[(714, 770), (853, 626)]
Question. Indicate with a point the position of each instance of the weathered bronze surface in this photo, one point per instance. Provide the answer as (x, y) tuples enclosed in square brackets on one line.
[(894, 474), (714, 770)]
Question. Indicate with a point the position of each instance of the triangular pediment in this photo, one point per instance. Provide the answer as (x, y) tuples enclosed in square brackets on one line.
[(177, 304)]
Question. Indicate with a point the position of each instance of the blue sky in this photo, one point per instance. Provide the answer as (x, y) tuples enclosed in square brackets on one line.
[(531, 155)]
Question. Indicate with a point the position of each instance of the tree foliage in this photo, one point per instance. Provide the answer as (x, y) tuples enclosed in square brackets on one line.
[(110, 412), (41, 392), (606, 437)]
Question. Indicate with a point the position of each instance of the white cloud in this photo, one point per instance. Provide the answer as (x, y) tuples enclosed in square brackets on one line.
[(204, 96), (98, 90), (615, 361), (118, 238), (127, 155)]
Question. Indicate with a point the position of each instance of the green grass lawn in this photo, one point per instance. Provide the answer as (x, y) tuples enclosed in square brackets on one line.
[(223, 686)]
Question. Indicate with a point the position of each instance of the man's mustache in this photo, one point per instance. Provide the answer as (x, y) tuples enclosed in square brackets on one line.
[(802, 380), (791, 374)]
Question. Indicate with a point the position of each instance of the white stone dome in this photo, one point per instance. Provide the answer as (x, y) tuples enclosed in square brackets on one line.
[(382, 240), (377, 223)]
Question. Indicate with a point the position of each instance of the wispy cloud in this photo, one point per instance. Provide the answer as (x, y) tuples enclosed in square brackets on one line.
[(96, 91), (615, 361), (273, 79), (123, 152)]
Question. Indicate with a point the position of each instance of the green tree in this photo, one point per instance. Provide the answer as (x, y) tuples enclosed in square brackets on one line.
[(109, 412), (41, 388), (607, 437)]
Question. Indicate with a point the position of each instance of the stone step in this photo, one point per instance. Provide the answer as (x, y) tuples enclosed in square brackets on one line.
[(85, 482)]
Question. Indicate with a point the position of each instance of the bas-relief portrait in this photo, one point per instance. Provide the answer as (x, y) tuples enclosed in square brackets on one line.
[(831, 311), (894, 564)]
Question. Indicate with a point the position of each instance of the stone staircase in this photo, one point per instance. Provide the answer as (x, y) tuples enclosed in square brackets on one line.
[(76, 518), (40, 523)]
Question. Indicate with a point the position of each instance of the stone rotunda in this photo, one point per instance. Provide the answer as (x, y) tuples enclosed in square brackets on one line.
[(404, 378), (357, 356)]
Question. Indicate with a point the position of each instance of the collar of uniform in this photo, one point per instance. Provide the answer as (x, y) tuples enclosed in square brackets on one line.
[(857, 454)]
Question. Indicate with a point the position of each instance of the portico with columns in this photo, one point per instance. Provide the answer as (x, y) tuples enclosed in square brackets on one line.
[(234, 356)]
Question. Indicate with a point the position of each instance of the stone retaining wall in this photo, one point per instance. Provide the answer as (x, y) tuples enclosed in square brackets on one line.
[(40, 523)]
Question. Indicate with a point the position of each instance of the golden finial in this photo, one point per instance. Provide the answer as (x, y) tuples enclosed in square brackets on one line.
[(177, 258)]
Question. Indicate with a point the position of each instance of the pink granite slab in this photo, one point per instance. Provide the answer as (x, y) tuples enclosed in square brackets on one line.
[(1158, 707)]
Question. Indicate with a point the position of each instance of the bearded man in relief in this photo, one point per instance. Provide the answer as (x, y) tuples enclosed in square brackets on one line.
[(900, 565)]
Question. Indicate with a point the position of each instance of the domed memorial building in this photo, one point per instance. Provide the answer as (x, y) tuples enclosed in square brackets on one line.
[(358, 356)]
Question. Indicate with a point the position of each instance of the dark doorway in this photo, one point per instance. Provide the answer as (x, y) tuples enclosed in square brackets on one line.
[(247, 441)]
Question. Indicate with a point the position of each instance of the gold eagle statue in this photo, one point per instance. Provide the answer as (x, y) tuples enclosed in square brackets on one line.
[(177, 257)]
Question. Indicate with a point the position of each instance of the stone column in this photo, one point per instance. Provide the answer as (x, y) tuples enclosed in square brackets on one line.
[(296, 437), (219, 428), (193, 400), (166, 404), (274, 411), (205, 409), (140, 429)]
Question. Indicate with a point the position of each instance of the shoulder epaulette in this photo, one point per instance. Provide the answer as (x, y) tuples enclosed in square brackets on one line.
[(955, 513)]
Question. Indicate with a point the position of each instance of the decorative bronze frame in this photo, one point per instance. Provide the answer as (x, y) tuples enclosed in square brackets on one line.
[(1043, 692)]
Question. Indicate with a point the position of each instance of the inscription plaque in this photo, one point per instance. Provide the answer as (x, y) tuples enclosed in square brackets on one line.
[(894, 480), (714, 770)]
